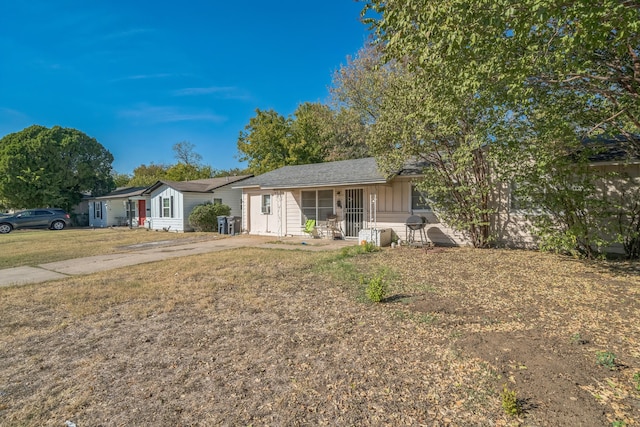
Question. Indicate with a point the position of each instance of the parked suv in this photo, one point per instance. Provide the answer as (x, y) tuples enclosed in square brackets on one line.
[(55, 219)]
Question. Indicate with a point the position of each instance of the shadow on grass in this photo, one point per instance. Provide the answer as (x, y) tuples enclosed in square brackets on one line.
[(398, 298)]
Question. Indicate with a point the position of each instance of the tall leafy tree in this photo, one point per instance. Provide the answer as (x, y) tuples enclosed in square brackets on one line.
[(271, 140), (189, 166), (52, 167), (585, 55), (120, 179), (263, 142), (314, 133), (144, 176), (185, 153), (310, 128), (558, 71), (348, 135), (188, 172), (414, 117), (361, 84), (230, 172)]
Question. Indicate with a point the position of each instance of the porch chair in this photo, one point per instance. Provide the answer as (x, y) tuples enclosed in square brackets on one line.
[(310, 228), (334, 228)]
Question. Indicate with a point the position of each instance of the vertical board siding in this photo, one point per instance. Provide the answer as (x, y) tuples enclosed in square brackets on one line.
[(159, 222), (294, 225)]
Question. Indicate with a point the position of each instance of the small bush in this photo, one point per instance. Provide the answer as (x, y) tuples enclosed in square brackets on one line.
[(368, 247), (376, 287), (636, 380), (205, 217), (510, 402), (606, 359)]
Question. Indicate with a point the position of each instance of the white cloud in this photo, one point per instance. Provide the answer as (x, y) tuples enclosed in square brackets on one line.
[(144, 77), (126, 33), (12, 114), (226, 92), (159, 114)]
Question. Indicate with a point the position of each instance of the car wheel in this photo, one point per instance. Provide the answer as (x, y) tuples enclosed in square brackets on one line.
[(5, 228), (57, 225)]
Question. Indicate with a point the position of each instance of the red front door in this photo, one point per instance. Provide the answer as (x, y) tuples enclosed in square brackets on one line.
[(142, 212)]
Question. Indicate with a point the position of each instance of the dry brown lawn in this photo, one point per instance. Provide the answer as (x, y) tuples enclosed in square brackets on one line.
[(33, 247), (285, 337)]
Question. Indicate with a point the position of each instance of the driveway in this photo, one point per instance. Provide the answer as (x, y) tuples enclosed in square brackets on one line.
[(141, 254)]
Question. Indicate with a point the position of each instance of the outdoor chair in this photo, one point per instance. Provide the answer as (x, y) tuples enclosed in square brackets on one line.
[(334, 229), (310, 228)]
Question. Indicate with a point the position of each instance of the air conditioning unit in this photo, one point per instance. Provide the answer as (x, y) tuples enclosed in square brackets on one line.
[(379, 237)]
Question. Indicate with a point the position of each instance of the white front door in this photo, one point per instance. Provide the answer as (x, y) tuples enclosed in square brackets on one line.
[(353, 211)]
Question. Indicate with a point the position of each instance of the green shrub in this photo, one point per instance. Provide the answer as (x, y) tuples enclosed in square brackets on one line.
[(510, 402), (205, 217), (376, 287), (606, 359), (368, 247)]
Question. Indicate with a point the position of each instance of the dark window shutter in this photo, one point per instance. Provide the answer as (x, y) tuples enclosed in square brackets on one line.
[(160, 212), (171, 207)]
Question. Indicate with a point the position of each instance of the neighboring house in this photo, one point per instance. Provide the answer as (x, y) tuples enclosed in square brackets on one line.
[(280, 202), (172, 201), (122, 207)]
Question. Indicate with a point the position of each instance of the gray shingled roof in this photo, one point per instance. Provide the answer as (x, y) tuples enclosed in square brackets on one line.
[(617, 148), (198, 185), (122, 193), (344, 172)]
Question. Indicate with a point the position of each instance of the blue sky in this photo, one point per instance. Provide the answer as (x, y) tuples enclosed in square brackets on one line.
[(140, 76)]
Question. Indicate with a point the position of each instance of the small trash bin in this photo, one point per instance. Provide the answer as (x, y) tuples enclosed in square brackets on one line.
[(233, 225), (222, 225)]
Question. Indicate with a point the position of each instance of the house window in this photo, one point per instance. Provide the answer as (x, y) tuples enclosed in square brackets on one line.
[(316, 204), (217, 201), (419, 200), (97, 210), (131, 209), (514, 201), (266, 204), (166, 207), (519, 200)]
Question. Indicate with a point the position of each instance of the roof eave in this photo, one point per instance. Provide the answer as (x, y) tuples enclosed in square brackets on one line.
[(616, 162), (317, 185)]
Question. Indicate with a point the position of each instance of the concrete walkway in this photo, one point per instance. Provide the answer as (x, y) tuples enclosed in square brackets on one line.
[(151, 253)]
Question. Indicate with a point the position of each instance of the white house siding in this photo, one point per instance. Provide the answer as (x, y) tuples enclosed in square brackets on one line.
[(272, 224), (393, 202), (135, 222), (113, 213), (394, 208), (513, 227), (627, 177), (294, 213), (279, 204), (158, 222), (191, 200), (230, 197), (100, 221), (246, 212)]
